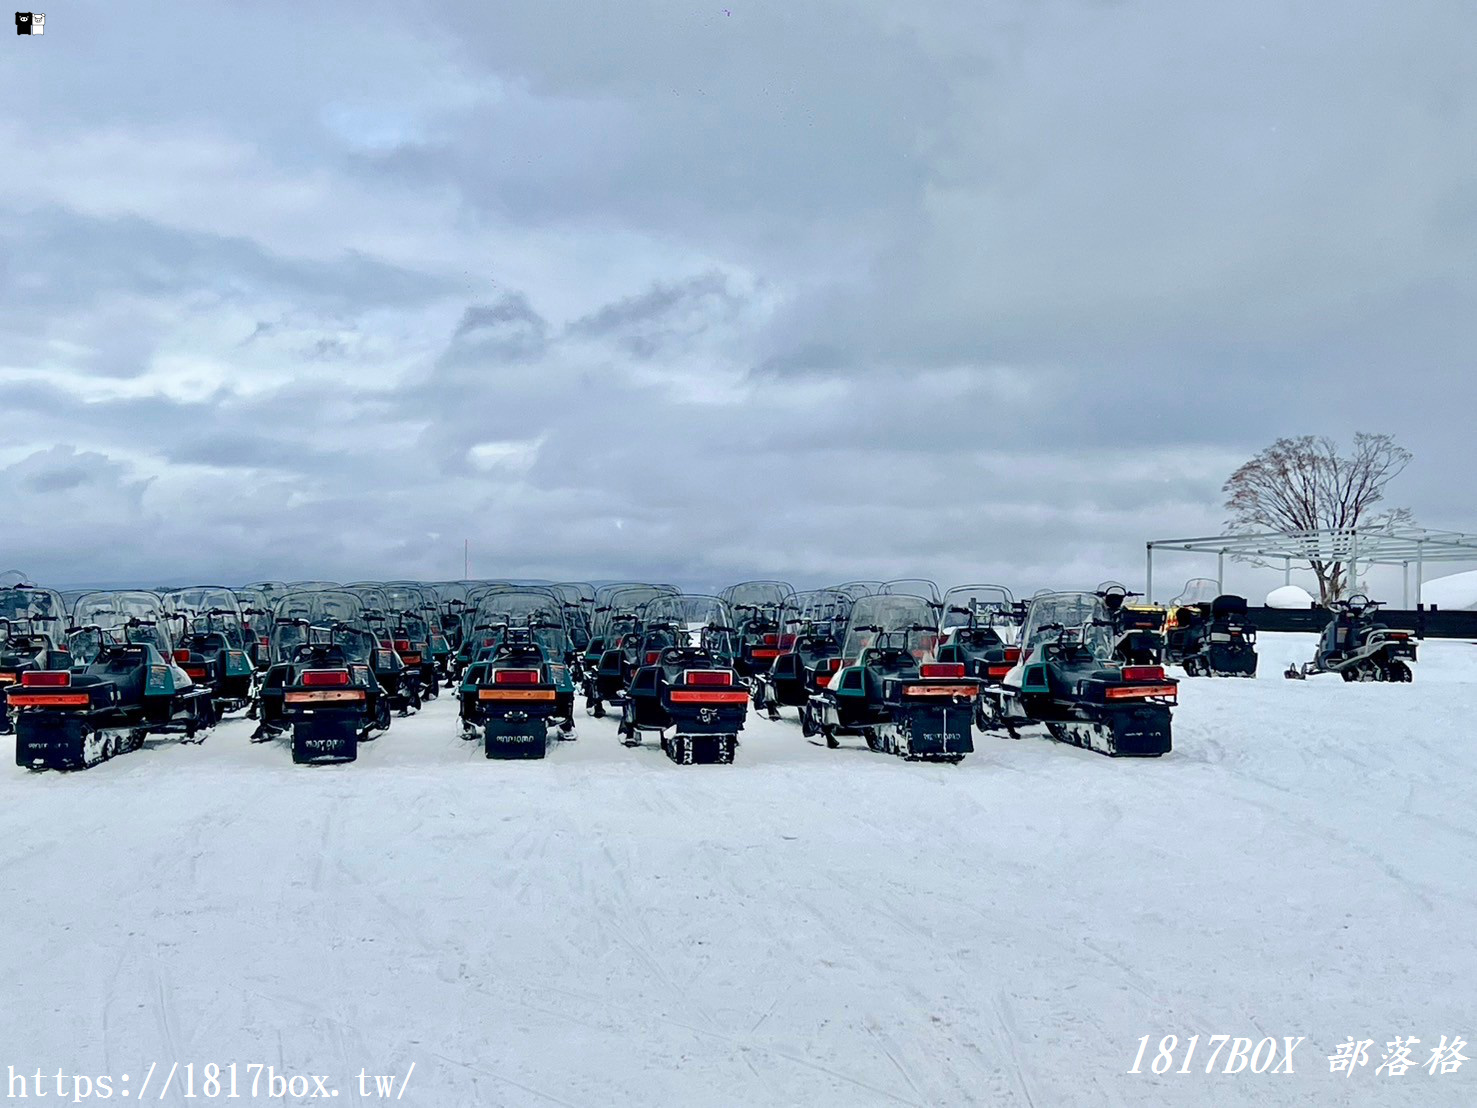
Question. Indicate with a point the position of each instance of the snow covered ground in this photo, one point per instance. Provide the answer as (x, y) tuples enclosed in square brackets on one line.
[(805, 927)]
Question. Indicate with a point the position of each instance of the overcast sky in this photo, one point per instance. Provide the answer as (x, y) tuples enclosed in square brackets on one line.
[(699, 292)]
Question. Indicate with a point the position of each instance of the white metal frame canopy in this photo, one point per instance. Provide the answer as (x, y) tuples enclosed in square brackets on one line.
[(1392, 547)]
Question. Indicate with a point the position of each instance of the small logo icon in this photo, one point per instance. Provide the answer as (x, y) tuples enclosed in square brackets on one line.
[(28, 23)]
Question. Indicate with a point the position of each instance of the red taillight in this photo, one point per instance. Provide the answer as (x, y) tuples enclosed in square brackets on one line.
[(1012, 654), (828, 665), (941, 669), (515, 677), (652, 656), (1138, 692), (46, 678), (707, 677), (771, 640), (997, 671), (402, 645), (1143, 673), (181, 655), (317, 678), (195, 673), (823, 680), (263, 641), (787, 642)]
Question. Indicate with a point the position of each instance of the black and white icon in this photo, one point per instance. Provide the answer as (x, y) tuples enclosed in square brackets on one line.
[(38, 23), (23, 23)]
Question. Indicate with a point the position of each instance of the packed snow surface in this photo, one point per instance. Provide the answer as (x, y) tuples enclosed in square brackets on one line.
[(1456, 591), (805, 927), (1289, 596)]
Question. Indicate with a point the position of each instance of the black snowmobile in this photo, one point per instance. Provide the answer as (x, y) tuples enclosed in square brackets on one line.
[(889, 693), (1358, 648), (321, 683), (29, 626), (517, 699), (520, 687), (1138, 629), (324, 692), (1212, 640), (693, 694), (1068, 681), (121, 688)]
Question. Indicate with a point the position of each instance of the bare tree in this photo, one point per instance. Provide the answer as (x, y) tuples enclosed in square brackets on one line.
[(1305, 484)]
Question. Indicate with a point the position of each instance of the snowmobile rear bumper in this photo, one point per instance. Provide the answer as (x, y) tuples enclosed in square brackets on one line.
[(326, 737), (1231, 661), (932, 733), (506, 737), (54, 740)]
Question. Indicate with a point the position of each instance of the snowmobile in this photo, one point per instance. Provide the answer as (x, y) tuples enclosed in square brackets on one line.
[(215, 640), (1212, 640), (31, 622), (685, 689), (610, 655), (321, 687), (1358, 648), (889, 691), (518, 698), (321, 682), (1068, 681), (123, 685), (816, 627), (756, 608), (25, 646), (1138, 629), (527, 647), (977, 629)]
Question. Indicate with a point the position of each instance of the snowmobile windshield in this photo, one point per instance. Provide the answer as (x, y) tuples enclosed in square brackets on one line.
[(751, 598), (1069, 616), (699, 620), (325, 607), (30, 603), (911, 586), (86, 643), (13, 577), (902, 622), (113, 609), (537, 610), (616, 605), (1198, 590), (976, 606), (357, 644)]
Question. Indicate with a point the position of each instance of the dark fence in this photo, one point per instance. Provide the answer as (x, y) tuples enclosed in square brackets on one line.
[(1426, 622)]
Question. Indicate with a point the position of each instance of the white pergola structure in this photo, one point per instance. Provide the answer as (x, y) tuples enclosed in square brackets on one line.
[(1386, 546)]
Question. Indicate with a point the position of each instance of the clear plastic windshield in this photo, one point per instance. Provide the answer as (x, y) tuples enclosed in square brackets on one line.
[(42, 606), (900, 622), (976, 606), (752, 599), (1069, 617), (1198, 590), (324, 607), (615, 606), (538, 611)]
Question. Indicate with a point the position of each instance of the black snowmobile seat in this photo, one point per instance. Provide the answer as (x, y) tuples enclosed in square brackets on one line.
[(1223, 607)]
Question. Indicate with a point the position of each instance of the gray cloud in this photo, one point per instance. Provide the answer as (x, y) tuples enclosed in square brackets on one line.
[(822, 290)]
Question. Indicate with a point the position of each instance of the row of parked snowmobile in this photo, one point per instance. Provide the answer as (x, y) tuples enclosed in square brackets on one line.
[(897, 665), (88, 675)]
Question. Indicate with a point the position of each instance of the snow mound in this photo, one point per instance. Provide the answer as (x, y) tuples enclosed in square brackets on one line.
[(1290, 596), (1456, 592)]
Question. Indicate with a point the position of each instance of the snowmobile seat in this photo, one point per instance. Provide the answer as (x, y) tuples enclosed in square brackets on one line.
[(126, 669), (1227, 606)]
